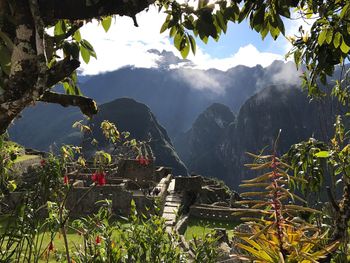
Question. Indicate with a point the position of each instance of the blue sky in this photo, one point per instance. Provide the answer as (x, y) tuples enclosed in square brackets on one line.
[(239, 35), (125, 45)]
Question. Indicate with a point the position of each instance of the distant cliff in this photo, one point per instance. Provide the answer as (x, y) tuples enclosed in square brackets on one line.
[(175, 96), (136, 118), (217, 150)]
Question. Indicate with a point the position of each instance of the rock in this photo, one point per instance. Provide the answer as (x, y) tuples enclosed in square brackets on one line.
[(188, 183), (224, 204), (78, 183)]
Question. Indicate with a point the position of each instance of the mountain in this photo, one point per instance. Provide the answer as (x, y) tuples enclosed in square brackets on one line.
[(175, 96), (219, 150), (199, 148), (46, 126), (136, 118)]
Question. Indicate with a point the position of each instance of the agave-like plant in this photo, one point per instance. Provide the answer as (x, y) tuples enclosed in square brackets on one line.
[(299, 244), (277, 232)]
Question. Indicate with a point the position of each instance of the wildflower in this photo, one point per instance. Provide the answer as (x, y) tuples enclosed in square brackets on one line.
[(66, 180), (99, 178), (51, 246), (98, 240), (142, 160), (42, 162)]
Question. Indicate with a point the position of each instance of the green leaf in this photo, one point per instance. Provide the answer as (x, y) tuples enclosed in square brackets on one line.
[(77, 36), (345, 10), (329, 36), (221, 21), (322, 37), (344, 47), (280, 24), (264, 32), (185, 47), (192, 43), (106, 23), (85, 54), (274, 31), (165, 25), (323, 154), (68, 88), (172, 32), (60, 28), (297, 57), (337, 39), (88, 47), (177, 40)]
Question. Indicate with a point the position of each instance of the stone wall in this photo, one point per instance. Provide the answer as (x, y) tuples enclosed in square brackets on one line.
[(161, 172), (121, 200), (188, 183), (213, 212), (133, 170)]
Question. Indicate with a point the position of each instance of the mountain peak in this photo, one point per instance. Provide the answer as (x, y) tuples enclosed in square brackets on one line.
[(135, 117)]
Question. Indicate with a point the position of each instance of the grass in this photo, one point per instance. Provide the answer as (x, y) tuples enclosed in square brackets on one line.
[(75, 241), (25, 158), (200, 227)]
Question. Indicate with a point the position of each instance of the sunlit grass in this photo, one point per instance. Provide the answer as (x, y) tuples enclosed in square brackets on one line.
[(200, 227), (25, 158)]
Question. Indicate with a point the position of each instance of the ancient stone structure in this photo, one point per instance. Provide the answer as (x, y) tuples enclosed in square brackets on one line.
[(219, 213), (127, 180)]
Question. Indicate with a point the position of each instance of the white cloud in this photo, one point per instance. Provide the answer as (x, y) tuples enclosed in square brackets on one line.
[(125, 44), (201, 80), (247, 55)]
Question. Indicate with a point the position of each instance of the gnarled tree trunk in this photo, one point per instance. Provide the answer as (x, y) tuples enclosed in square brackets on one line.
[(29, 79)]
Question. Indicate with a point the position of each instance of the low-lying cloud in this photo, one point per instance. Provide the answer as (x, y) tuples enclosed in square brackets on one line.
[(202, 80), (127, 45)]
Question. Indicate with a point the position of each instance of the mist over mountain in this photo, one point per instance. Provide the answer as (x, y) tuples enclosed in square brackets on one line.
[(216, 146), (175, 94)]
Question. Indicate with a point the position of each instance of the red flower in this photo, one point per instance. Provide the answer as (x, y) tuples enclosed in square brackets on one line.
[(99, 178), (98, 240), (42, 162), (66, 180), (50, 247), (142, 160)]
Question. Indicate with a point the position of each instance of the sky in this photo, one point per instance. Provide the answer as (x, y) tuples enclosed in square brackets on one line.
[(127, 45)]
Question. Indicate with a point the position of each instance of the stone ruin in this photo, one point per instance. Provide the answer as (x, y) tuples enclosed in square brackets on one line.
[(128, 180), (148, 185), (178, 199), (206, 198)]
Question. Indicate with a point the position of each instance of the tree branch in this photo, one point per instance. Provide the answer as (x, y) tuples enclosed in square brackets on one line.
[(87, 106), (84, 10), (61, 70)]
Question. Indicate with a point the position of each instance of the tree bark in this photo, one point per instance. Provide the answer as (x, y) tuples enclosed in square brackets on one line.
[(30, 79), (86, 105), (87, 9)]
